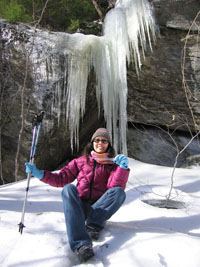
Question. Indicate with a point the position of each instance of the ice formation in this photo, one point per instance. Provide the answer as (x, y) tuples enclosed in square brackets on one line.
[(126, 27)]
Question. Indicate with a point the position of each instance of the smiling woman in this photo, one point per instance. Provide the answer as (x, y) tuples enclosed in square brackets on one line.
[(101, 140), (101, 180)]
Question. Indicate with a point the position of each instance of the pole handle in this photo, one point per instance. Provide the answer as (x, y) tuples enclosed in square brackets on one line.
[(37, 119)]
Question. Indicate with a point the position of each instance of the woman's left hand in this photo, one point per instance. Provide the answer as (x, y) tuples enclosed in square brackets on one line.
[(122, 161)]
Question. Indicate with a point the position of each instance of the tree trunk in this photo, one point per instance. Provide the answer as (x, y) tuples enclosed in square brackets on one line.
[(101, 16)]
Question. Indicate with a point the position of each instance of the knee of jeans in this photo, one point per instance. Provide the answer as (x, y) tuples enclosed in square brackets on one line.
[(67, 189), (119, 191)]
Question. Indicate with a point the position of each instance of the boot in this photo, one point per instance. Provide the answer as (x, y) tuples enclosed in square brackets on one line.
[(84, 253)]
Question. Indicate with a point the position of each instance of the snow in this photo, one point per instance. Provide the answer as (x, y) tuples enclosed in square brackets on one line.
[(139, 234)]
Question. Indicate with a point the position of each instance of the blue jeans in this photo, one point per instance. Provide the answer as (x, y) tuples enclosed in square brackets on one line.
[(80, 212)]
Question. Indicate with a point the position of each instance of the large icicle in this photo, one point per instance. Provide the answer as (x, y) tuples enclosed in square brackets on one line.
[(129, 25), (114, 82)]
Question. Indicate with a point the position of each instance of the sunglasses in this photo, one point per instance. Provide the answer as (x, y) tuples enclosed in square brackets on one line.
[(104, 141)]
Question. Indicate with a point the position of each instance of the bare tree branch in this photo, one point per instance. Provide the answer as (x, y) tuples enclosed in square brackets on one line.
[(98, 9)]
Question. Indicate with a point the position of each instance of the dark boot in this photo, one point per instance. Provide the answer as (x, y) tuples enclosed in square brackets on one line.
[(84, 253)]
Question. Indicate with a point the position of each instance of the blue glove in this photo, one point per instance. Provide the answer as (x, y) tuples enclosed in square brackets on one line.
[(31, 168), (122, 161)]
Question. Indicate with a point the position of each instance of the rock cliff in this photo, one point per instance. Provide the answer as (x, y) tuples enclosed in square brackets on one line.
[(163, 112)]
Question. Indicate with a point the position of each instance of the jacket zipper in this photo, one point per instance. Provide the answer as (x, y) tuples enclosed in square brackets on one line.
[(92, 180)]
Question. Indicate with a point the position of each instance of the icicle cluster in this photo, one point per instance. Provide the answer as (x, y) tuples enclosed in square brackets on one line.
[(129, 25)]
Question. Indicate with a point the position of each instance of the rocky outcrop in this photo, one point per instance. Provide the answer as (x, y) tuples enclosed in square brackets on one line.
[(158, 112), (158, 96), (158, 99), (41, 83)]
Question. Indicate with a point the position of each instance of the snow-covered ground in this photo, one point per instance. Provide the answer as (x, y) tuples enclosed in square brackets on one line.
[(139, 234)]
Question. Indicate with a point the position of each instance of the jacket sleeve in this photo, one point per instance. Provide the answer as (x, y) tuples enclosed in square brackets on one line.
[(65, 176), (118, 177)]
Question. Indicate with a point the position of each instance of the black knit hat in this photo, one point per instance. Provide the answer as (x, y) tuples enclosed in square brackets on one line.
[(101, 132)]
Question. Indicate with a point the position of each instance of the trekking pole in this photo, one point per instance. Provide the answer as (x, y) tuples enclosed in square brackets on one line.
[(37, 123)]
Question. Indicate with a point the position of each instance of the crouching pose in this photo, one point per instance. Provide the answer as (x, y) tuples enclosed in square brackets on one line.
[(99, 192)]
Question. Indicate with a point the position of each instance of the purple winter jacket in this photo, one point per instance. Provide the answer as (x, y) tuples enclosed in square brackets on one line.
[(93, 179)]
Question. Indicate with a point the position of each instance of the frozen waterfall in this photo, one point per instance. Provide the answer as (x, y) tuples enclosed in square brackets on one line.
[(127, 27)]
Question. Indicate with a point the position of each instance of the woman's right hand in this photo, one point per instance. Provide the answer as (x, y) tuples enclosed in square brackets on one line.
[(31, 168)]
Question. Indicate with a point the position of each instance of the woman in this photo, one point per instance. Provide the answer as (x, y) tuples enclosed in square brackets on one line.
[(99, 193)]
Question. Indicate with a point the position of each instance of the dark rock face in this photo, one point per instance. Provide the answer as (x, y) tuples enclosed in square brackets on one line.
[(158, 146), (157, 96), (54, 147), (156, 99), (176, 14)]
